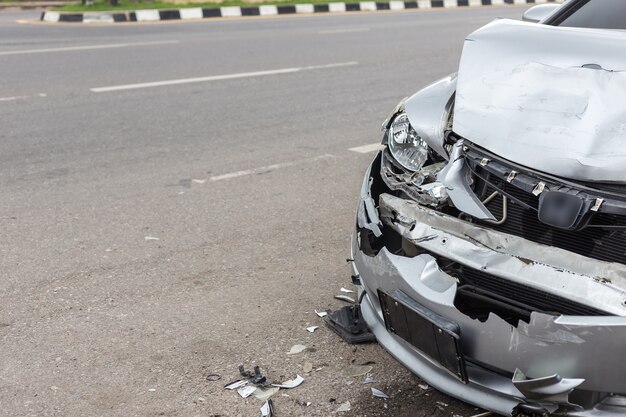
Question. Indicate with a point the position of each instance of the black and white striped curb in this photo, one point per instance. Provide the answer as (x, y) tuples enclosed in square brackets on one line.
[(152, 15)]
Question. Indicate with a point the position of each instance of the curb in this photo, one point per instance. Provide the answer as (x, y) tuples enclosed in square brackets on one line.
[(153, 15)]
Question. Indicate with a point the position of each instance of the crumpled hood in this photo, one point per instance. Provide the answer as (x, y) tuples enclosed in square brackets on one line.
[(549, 98)]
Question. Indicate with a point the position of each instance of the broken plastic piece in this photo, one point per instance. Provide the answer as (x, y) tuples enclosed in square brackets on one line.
[(307, 367), (267, 410), (368, 380), (295, 349), (344, 407), (358, 370), (213, 377), (236, 384), (244, 373), (378, 393), (149, 238), (345, 298), (423, 386), (552, 388), (265, 395), (349, 324), (292, 383), (345, 290), (321, 313), (245, 392), (311, 329), (258, 378)]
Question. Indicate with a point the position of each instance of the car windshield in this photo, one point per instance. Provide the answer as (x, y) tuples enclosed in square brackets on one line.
[(598, 14)]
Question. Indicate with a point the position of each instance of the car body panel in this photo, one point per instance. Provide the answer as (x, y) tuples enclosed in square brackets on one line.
[(549, 98)]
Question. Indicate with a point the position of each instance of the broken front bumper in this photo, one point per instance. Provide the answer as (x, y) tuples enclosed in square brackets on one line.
[(567, 364)]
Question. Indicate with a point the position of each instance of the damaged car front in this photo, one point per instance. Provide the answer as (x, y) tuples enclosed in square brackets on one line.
[(491, 230)]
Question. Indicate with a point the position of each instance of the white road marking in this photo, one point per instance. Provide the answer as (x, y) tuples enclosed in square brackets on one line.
[(14, 98), (367, 148), (331, 32), (219, 77), (86, 47), (267, 168)]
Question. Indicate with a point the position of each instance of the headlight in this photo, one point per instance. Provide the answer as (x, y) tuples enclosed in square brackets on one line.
[(405, 145)]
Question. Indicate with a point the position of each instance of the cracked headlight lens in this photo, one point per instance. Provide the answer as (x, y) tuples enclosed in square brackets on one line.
[(405, 145)]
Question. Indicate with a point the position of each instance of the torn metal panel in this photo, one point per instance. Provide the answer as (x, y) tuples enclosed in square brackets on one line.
[(455, 178), (546, 345), (587, 281), (557, 108)]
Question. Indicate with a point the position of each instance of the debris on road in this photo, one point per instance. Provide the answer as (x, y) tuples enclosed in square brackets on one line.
[(321, 313), (267, 410), (311, 329), (358, 370), (151, 389), (423, 386), (213, 377), (378, 393), (150, 238), (307, 367), (264, 395), (292, 383), (345, 290), (198, 181), (246, 391), (345, 298), (486, 414), (295, 349), (344, 407), (368, 380), (236, 384), (348, 323)]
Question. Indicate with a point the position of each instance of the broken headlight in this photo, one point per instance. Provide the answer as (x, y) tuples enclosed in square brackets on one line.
[(405, 145)]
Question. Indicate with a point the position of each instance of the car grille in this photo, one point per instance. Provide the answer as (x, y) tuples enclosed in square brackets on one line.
[(598, 243)]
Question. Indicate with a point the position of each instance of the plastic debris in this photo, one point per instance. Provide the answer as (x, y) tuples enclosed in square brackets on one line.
[(441, 403), (149, 238), (358, 370), (423, 386), (264, 395), (151, 389), (369, 380), (307, 367), (213, 377), (295, 349), (267, 410), (486, 414), (245, 392), (348, 323), (344, 407), (345, 298), (311, 329), (292, 383), (236, 384), (345, 290), (321, 313), (197, 181), (378, 393)]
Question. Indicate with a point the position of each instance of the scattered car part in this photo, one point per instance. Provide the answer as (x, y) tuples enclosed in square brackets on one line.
[(345, 298), (246, 391), (378, 393), (311, 329), (307, 367), (344, 407), (213, 377), (348, 323), (264, 394), (358, 370), (369, 380), (292, 383), (321, 313), (346, 290), (236, 384), (295, 349), (267, 410)]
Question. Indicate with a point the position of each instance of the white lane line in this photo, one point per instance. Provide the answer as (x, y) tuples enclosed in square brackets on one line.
[(367, 148), (14, 98), (334, 31), (86, 47), (267, 168), (219, 77)]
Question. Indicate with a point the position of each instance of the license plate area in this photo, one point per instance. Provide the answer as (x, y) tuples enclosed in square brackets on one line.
[(430, 333)]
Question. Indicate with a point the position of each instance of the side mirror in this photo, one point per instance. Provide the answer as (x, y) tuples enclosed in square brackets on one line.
[(539, 13)]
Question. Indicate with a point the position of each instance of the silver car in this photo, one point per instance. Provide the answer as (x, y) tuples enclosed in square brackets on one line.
[(490, 245)]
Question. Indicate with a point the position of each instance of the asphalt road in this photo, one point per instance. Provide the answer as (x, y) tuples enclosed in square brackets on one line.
[(247, 182)]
